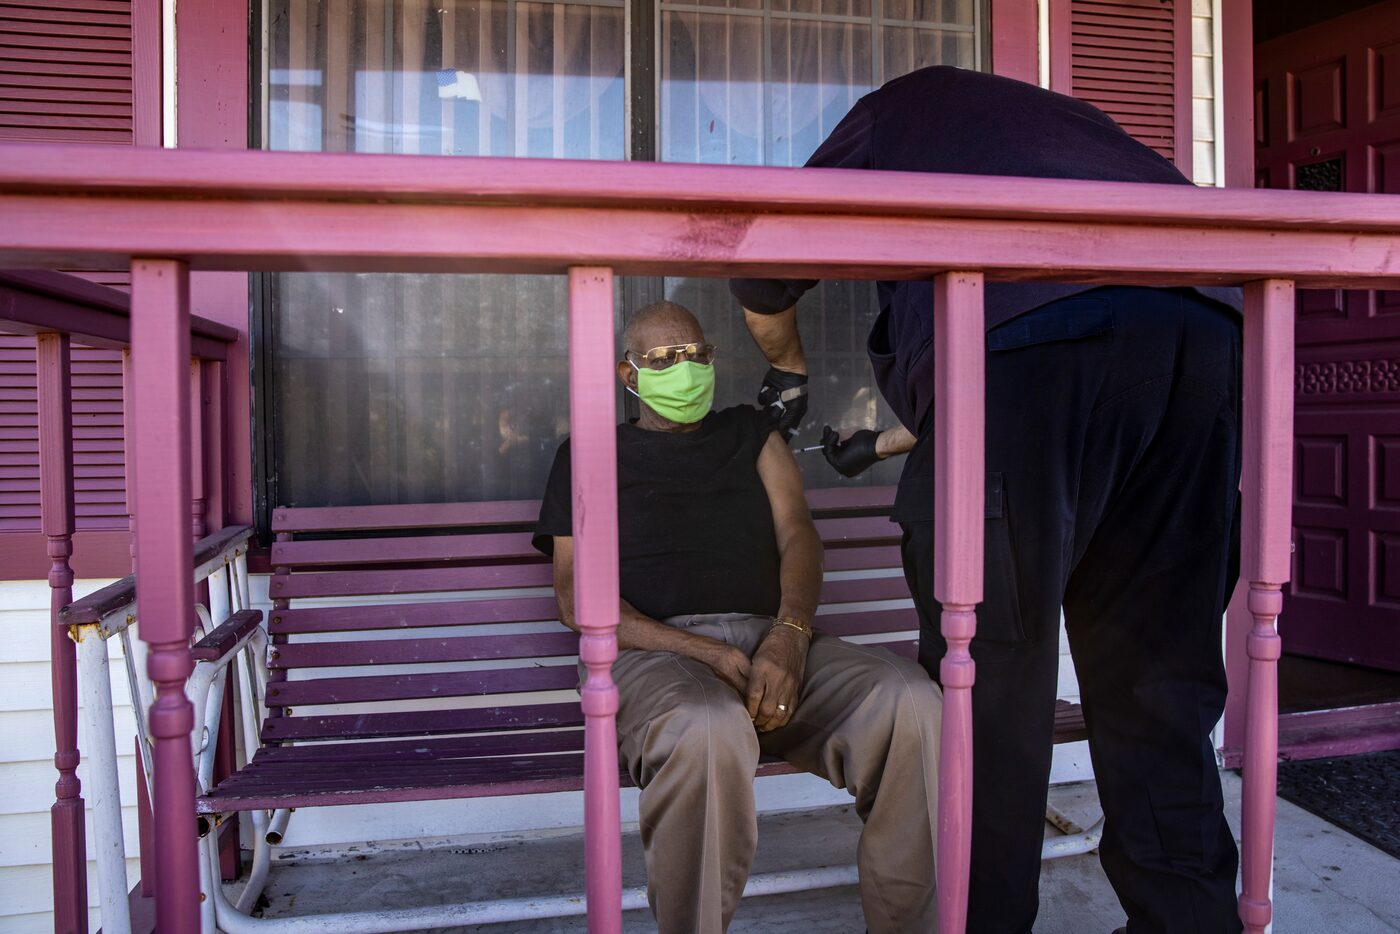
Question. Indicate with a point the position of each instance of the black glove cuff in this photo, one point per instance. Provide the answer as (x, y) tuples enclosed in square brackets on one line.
[(783, 380)]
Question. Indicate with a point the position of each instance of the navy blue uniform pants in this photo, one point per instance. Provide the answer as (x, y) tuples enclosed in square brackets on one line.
[(1113, 463)]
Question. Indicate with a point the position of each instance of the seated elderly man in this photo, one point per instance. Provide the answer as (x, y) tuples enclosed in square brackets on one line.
[(720, 578)]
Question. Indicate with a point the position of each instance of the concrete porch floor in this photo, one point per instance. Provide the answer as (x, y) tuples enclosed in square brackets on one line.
[(1325, 879)]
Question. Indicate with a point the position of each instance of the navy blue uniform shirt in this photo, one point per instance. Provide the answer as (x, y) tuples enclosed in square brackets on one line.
[(944, 119)]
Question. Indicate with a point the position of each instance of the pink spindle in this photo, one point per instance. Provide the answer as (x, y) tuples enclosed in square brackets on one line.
[(1268, 499), (129, 464), (592, 410), (160, 338), (55, 403), (145, 827), (198, 526), (959, 480), (216, 423)]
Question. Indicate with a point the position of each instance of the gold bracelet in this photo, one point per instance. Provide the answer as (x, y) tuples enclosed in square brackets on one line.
[(793, 622)]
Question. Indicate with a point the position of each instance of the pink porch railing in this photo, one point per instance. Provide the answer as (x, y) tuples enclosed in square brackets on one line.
[(261, 211), (60, 310)]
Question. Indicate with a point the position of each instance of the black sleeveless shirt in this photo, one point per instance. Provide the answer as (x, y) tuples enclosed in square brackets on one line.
[(694, 525)]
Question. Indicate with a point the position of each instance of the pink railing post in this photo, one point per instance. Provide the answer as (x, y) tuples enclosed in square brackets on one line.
[(959, 481), (593, 413), (54, 369), (1268, 500), (160, 340)]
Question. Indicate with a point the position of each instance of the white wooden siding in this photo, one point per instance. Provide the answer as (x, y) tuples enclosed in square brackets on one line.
[(27, 774), (1203, 72)]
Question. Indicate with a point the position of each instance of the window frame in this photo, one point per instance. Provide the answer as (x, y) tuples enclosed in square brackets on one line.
[(642, 127)]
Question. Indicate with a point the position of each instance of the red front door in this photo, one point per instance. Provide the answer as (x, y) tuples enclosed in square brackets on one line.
[(1327, 113)]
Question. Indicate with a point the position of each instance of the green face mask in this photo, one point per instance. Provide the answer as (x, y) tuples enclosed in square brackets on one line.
[(681, 393)]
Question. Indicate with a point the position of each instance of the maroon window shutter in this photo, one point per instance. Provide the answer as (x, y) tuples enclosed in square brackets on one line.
[(99, 465), (1132, 60), (65, 76), (19, 436), (65, 71)]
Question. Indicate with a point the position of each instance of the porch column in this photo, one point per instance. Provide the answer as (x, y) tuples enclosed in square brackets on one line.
[(1265, 563), (160, 338), (53, 356), (593, 417), (959, 479)]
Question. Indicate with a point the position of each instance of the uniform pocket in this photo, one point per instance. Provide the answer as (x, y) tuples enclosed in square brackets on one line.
[(999, 614)]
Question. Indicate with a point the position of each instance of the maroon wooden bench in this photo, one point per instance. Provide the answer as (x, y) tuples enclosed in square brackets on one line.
[(427, 637)]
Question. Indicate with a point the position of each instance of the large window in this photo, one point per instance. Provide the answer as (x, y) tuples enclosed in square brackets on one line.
[(408, 388)]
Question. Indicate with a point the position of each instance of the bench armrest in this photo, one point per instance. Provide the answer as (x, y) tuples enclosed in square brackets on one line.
[(227, 636)]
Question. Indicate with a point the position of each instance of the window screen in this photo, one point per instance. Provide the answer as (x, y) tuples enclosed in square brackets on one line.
[(416, 388)]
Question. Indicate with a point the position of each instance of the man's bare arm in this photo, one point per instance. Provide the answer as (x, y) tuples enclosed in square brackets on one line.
[(775, 681), (896, 440), (799, 546), (778, 338), (636, 630)]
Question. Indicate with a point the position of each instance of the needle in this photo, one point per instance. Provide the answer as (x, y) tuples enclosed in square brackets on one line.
[(815, 447)]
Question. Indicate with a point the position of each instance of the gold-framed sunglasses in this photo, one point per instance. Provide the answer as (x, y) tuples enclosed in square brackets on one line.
[(659, 358)]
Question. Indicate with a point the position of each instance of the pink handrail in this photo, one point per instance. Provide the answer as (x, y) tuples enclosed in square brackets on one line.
[(592, 220)]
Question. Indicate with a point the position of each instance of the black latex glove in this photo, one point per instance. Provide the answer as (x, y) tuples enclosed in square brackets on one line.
[(853, 456), (784, 397)]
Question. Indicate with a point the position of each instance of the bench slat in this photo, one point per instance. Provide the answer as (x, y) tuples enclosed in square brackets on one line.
[(471, 778), (409, 580), (848, 498), (422, 722), (904, 621), (413, 615), (508, 512), (301, 776), (410, 651), (861, 530), (869, 588), (447, 580), (321, 776), (863, 559), (404, 516), (521, 645), (487, 744), (503, 546), (419, 686), (836, 534)]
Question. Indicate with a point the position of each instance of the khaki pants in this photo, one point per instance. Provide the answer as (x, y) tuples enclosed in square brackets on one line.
[(867, 721)]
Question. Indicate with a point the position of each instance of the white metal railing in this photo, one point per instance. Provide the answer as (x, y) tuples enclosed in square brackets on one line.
[(110, 613)]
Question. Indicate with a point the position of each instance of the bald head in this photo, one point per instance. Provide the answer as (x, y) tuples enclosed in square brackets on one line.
[(660, 324)]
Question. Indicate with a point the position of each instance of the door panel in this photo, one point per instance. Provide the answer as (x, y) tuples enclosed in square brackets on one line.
[(1328, 119)]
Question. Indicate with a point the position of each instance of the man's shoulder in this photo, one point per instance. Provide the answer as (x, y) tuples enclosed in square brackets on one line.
[(744, 418), (566, 442), (744, 411)]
